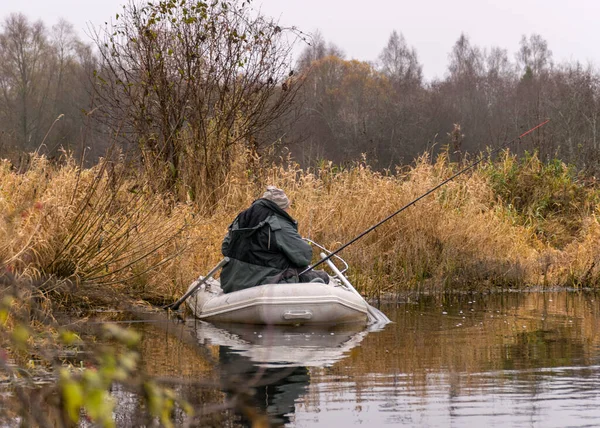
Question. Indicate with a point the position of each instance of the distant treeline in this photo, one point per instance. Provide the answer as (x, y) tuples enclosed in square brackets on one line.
[(213, 78), (45, 89), (386, 110)]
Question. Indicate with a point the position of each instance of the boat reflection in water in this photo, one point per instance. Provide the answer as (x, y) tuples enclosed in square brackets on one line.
[(267, 367)]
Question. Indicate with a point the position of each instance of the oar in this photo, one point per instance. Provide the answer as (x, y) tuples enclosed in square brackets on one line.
[(197, 283), (375, 315)]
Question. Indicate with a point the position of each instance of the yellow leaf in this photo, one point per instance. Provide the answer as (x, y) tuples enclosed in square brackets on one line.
[(72, 394), (68, 337), (20, 335)]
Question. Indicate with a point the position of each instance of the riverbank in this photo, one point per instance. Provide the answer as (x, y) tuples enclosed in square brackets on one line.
[(103, 231)]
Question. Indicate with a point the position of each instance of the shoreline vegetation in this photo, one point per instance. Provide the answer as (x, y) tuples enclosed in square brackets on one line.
[(513, 222)]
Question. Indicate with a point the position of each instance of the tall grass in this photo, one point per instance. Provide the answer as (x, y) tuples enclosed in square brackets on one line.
[(510, 223), (65, 225)]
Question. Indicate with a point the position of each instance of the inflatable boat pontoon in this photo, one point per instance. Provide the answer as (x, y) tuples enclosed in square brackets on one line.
[(282, 304)]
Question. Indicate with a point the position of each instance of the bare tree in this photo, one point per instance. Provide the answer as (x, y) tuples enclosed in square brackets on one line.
[(25, 81), (464, 93), (401, 117), (573, 100), (534, 55), (317, 49), (466, 60), (498, 88), (187, 82), (399, 62), (44, 86), (534, 61)]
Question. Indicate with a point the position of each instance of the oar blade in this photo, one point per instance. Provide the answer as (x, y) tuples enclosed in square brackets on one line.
[(376, 316)]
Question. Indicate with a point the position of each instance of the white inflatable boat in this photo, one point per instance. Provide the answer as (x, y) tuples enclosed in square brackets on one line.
[(279, 304), (285, 304), (307, 303)]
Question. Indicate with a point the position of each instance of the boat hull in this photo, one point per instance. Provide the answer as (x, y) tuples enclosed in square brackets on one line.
[(279, 304)]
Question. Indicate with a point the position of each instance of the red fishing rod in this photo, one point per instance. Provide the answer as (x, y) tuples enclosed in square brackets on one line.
[(462, 171)]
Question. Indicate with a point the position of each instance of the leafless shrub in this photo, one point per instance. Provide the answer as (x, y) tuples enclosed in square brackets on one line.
[(187, 81)]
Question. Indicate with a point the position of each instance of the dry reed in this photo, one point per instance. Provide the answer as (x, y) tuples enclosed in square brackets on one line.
[(105, 227)]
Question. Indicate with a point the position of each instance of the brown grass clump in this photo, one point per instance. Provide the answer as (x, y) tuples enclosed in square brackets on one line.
[(461, 237), (83, 227), (452, 238)]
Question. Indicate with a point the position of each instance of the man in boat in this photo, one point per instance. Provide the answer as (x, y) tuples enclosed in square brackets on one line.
[(264, 246)]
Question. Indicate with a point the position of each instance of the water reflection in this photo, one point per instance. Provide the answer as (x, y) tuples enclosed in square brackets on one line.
[(274, 390), (513, 359), (284, 346), (265, 369)]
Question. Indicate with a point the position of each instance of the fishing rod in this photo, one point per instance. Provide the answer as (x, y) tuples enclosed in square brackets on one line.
[(462, 171)]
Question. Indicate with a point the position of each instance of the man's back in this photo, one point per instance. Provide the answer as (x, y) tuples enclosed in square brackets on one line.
[(264, 247)]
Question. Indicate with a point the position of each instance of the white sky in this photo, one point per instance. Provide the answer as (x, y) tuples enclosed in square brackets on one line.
[(361, 28)]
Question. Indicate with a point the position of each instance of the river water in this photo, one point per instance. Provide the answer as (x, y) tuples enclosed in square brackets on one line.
[(524, 359)]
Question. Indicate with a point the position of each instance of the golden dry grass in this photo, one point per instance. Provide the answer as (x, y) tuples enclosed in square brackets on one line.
[(104, 227)]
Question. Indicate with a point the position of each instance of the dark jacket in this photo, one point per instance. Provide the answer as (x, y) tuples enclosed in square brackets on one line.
[(264, 247)]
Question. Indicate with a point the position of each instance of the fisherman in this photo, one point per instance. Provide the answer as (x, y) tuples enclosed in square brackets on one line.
[(264, 246)]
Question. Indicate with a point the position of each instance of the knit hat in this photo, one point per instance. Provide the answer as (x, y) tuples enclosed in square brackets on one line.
[(278, 196)]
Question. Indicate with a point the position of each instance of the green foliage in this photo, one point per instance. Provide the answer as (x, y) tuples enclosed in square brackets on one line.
[(527, 75), (88, 390), (69, 338), (161, 402), (20, 335), (550, 197), (84, 390), (4, 310)]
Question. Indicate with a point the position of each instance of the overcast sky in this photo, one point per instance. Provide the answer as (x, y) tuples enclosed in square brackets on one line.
[(361, 28)]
